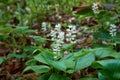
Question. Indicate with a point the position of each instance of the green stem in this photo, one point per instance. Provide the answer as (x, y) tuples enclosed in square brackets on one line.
[(21, 15)]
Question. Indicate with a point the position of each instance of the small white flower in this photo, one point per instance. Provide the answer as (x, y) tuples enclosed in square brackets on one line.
[(70, 26), (44, 26), (113, 25), (113, 29), (58, 37), (55, 57), (28, 9), (58, 27), (61, 35), (71, 33), (53, 33), (33, 43), (17, 51), (95, 8)]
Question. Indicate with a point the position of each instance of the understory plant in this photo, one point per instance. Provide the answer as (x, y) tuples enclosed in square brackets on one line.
[(51, 69), (63, 39), (63, 60)]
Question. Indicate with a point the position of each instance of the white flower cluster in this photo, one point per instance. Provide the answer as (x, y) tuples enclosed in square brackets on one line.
[(58, 37), (113, 29), (44, 26), (95, 8), (71, 34)]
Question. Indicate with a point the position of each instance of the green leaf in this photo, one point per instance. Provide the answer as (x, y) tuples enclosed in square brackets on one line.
[(101, 77), (38, 69), (45, 52), (67, 46), (104, 52), (44, 58), (88, 79), (55, 76), (103, 16), (69, 61), (23, 55), (96, 65), (59, 65), (29, 49), (117, 55), (102, 35), (31, 62), (5, 29), (44, 77), (38, 39), (117, 40), (84, 61), (1, 60), (111, 69), (82, 53), (3, 36), (40, 58)]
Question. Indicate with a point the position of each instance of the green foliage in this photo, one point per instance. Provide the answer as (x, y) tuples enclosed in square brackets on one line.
[(110, 69), (31, 62), (104, 52), (55, 76), (23, 55), (44, 77), (84, 61), (38, 69), (47, 60), (20, 26), (38, 40), (1, 60), (102, 35), (75, 61)]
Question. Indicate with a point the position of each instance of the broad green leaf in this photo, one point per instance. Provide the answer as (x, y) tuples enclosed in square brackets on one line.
[(102, 35), (103, 16), (29, 49), (59, 65), (101, 77), (55, 76), (82, 53), (38, 68), (40, 58), (38, 39), (45, 52), (111, 69), (44, 77), (44, 58), (69, 61), (96, 65), (23, 55), (117, 55), (104, 52), (117, 40), (67, 46), (5, 29), (31, 62), (70, 71), (84, 61), (3, 36), (1, 60), (27, 31)]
